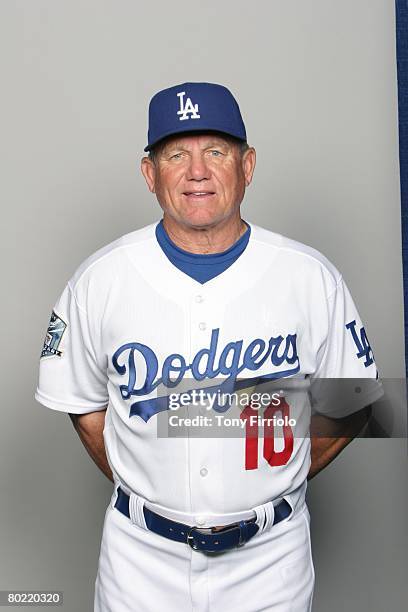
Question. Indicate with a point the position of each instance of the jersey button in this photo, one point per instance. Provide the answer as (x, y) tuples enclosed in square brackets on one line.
[(200, 520), (202, 326), (203, 472), (199, 299)]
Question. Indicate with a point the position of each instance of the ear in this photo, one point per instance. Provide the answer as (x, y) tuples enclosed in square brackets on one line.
[(149, 172), (248, 164)]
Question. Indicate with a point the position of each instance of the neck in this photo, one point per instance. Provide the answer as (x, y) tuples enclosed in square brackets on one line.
[(205, 240)]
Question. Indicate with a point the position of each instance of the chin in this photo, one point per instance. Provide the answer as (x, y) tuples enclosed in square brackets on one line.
[(202, 218)]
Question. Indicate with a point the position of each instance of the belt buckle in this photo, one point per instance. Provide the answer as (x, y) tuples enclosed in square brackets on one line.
[(202, 531), (190, 539), (207, 531)]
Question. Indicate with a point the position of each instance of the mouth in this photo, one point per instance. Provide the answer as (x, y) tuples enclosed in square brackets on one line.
[(198, 195)]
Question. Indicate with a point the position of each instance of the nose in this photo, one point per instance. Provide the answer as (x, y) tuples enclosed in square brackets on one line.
[(198, 169)]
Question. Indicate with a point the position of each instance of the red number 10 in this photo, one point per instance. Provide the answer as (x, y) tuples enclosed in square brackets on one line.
[(252, 435)]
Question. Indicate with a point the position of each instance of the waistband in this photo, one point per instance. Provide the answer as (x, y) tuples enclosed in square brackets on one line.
[(210, 540), (263, 513)]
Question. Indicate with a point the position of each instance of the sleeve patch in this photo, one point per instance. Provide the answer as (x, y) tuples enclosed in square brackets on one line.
[(363, 347), (53, 337)]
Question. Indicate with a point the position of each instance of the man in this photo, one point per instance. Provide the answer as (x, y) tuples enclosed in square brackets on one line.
[(205, 300)]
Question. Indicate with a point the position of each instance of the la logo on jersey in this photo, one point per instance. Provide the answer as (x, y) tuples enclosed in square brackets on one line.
[(364, 349), (188, 110)]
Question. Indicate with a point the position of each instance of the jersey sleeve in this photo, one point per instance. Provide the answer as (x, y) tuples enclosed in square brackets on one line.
[(72, 378), (346, 379)]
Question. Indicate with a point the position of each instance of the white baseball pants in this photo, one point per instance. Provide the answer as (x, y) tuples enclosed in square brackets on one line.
[(140, 571)]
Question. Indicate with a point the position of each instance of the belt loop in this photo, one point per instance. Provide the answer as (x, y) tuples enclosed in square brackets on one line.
[(265, 515), (270, 515), (136, 513), (260, 517)]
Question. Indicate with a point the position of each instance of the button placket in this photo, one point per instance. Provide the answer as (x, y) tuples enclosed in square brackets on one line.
[(200, 463)]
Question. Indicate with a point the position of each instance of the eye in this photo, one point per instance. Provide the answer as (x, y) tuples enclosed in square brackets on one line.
[(175, 156), (215, 153)]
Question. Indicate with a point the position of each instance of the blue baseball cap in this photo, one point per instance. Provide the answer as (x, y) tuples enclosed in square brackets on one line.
[(194, 107)]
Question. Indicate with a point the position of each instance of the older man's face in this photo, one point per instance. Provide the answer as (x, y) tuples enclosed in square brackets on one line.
[(199, 180)]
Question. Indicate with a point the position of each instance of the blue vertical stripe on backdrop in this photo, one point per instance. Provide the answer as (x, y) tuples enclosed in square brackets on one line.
[(402, 68)]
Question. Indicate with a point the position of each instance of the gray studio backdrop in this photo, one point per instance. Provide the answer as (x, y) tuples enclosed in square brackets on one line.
[(316, 81)]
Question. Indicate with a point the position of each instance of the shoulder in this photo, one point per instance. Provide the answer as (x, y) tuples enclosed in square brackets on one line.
[(300, 258), (105, 260)]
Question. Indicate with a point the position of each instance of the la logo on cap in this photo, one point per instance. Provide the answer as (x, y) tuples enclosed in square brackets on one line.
[(188, 108)]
